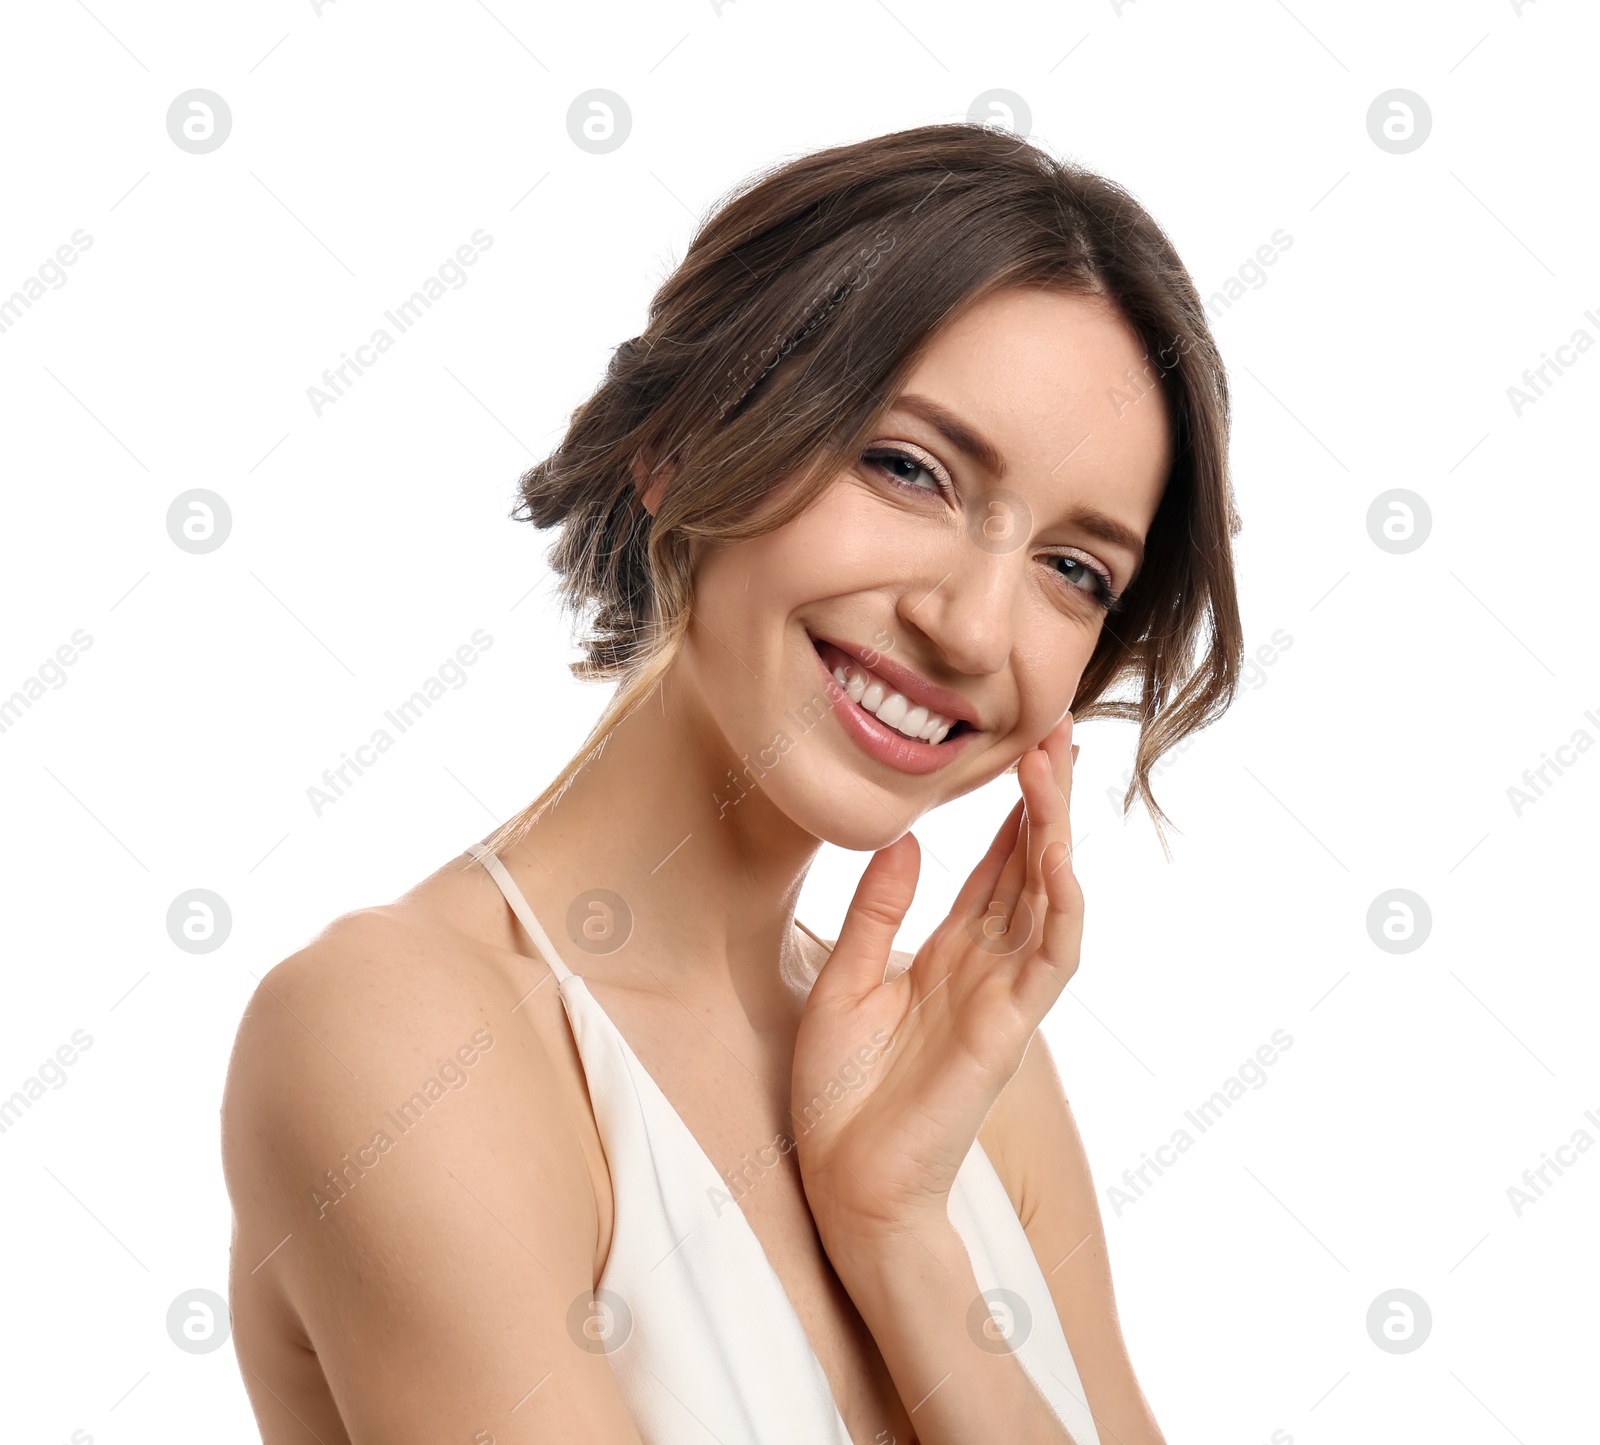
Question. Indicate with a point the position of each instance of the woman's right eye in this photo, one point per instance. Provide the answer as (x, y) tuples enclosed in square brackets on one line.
[(901, 467)]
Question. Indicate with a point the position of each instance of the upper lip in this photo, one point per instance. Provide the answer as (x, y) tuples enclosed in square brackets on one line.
[(915, 688)]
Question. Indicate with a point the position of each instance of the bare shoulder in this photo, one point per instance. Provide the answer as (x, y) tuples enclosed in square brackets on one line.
[(389, 1021), (392, 977), (373, 984), (384, 1002), (397, 1143)]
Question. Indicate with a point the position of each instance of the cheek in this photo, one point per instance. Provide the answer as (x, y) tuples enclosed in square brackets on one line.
[(744, 639), (1047, 669), (747, 655), (746, 592), (845, 542)]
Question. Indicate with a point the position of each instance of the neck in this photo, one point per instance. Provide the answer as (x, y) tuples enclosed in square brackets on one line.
[(679, 828)]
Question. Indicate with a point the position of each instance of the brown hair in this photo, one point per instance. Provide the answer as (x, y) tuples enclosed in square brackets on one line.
[(790, 324)]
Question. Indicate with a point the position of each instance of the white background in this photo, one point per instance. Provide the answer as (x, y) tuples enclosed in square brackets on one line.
[(1374, 753)]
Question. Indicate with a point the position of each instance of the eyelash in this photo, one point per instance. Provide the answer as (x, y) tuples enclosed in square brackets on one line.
[(1104, 595)]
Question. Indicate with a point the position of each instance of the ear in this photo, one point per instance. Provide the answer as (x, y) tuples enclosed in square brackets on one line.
[(651, 485)]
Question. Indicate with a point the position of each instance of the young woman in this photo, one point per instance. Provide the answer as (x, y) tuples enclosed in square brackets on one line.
[(921, 456)]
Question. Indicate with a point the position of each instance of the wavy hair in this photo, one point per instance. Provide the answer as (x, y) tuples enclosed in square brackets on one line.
[(785, 332)]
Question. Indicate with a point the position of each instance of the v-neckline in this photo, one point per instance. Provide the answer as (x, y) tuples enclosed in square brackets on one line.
[(569, 984), (712, 1181), (977, 1183)]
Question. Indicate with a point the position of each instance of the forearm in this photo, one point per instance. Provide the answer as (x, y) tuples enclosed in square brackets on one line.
[(918, 1295)]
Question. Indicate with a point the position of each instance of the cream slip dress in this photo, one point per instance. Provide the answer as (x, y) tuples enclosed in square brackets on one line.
[(694, 1320)]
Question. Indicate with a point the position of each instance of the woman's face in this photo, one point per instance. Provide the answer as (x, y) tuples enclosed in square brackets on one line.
[(963, 563)]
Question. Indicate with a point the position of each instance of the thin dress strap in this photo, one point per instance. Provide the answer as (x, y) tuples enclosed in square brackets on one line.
[(813, 937), (519, 905)]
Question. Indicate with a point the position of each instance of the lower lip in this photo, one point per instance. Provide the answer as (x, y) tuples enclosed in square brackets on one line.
[(879, 740)]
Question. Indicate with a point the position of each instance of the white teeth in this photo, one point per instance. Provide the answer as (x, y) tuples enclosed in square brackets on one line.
[(851, 681), (891, 708)]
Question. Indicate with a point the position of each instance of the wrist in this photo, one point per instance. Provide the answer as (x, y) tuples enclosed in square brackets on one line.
[(854, 1216), (875, 1254), (916, 1291)]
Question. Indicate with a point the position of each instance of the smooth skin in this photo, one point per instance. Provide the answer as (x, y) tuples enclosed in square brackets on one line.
[(431, 1303)]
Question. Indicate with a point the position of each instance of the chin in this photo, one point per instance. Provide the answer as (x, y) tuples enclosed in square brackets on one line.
[(844, 809)]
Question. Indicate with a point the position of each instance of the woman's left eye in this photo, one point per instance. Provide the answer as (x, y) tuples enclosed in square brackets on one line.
[(1089, 579), (901, 467)]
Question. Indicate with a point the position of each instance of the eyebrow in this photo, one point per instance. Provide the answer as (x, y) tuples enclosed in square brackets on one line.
[(987, 455), (1108, 529), (955, 431)]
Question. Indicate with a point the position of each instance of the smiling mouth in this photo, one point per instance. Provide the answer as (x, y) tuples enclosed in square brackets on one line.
[(879, 699)]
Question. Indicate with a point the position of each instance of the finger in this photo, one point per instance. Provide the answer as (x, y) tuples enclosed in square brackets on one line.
[(1014, 878), (975, 892), (1014, 873), (1009, 911), (1059, 745), (1047, 825), (1066, 766), (1063, 753), (1049, 816), (861, 953), (1049, 969)]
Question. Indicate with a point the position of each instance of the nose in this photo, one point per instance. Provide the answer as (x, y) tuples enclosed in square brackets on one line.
[(968, 608)]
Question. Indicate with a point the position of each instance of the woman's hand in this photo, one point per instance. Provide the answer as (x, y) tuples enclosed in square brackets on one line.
[(892, 1081)]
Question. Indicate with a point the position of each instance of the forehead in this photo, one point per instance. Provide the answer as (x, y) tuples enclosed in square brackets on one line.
[(1061, 385)]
